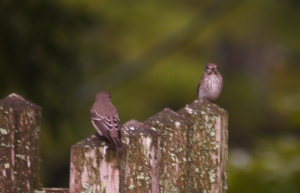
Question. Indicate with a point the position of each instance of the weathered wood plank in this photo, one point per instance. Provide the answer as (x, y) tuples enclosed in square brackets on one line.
[(20, 122), (174, 144), (141, 159), (208, 155), (94, 167), (53, 190), (7, 153)]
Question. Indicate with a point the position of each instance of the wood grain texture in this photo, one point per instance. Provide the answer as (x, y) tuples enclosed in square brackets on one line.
[(174, 145), (208, 152), (20, 126), (140, 163), (53, 190), (94, 166)]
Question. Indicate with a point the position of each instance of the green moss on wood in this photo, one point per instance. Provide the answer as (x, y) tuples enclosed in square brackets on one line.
[(139, 168), (173, 164), (207, 147), (20, 122), (93, 165)]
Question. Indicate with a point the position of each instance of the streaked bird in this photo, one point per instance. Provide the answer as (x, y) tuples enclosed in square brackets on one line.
[(211, 83), (105, 119)]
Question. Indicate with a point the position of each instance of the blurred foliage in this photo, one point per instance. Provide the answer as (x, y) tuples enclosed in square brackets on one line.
[(151, 55), (272, 168)]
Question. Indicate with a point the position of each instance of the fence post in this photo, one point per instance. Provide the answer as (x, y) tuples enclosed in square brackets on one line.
[(141, 160), (209, 153), (20, 124), (94, 167), (174, 144)]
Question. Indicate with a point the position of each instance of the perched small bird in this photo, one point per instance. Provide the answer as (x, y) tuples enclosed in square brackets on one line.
[(211, 83), (105, 119)]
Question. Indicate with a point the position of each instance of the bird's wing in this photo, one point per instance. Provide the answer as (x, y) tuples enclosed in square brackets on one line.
[(117, 125), (101, 123), (221, 78), (108, 126), (116, 122), (201, 84)]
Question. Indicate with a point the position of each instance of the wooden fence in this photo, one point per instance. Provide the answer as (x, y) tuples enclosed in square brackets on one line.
[(183, 151)]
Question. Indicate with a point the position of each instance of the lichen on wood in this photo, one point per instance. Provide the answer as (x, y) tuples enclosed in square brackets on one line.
[(141, 158), (173, 164), (20, 124), (208, 152), (94, 166)]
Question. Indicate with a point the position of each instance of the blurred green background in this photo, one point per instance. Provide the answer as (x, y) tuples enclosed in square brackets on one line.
[(150, 55)]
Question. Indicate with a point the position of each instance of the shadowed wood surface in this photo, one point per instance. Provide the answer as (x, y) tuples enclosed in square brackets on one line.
[(20, 125), (208, 154), (141, 160), (173, 164)]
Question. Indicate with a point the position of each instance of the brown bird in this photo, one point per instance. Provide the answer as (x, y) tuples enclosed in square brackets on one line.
[(211, 83), (105, 119)]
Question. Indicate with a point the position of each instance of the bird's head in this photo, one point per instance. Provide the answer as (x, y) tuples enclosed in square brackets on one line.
[(211, 68), (103, 96)]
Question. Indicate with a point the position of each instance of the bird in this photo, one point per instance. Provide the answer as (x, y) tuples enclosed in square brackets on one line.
[(211, 83), (105, 119)]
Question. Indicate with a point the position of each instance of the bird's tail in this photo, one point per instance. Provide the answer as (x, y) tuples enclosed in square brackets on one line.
[(116, 140), (118, 143)]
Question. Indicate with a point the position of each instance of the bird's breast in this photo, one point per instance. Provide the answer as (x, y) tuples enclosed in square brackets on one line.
[(214, 85)]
